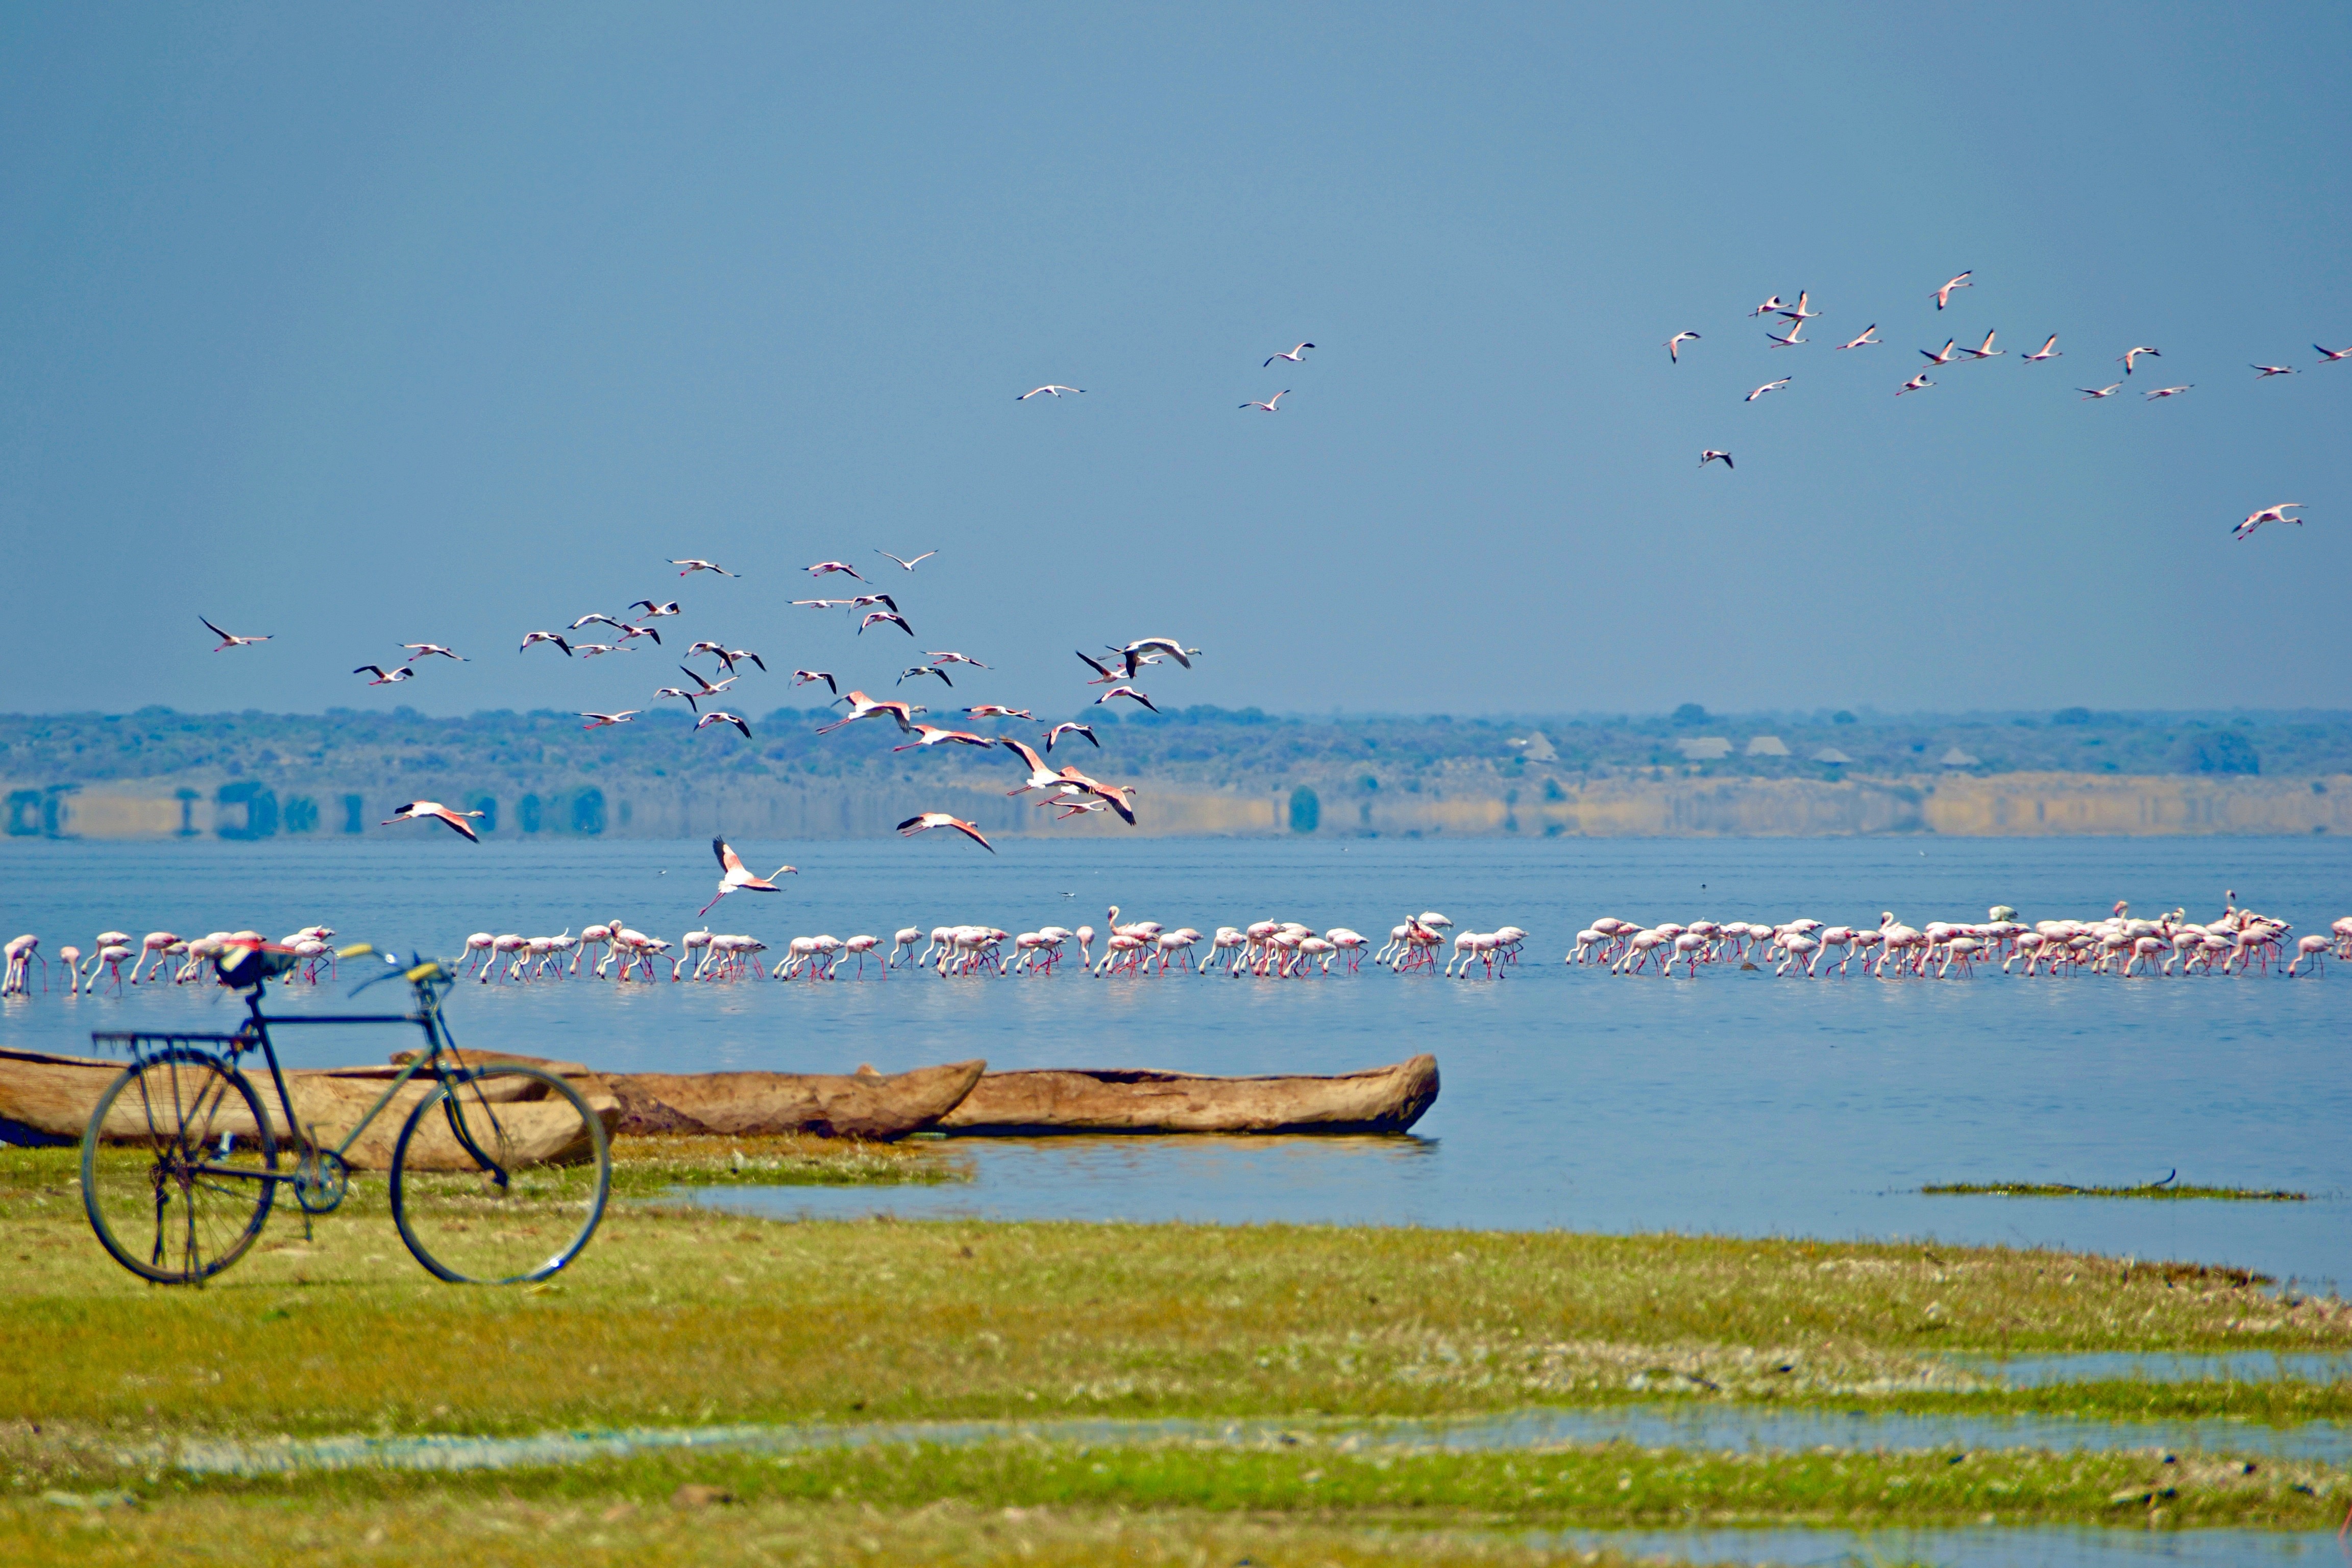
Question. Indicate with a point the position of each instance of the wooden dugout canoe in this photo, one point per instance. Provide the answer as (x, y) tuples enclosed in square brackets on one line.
[(1069, 1100), (878, 1106), (47, 1099)]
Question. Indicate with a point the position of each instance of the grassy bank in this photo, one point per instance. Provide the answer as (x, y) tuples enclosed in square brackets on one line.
[(679, 1315), (2160, 1191)]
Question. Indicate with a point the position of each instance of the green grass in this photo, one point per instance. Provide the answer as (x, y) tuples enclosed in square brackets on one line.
[(1189, 1489), (686, 1315), (647, 1167), (2167, 1188)]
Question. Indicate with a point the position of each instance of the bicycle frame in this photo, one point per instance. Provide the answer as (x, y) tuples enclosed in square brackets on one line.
[(255, 1034)]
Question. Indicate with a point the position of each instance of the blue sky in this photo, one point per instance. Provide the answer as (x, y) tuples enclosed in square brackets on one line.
[(369, 325)]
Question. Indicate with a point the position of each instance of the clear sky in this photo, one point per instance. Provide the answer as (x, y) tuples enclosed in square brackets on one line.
[(362, 325)]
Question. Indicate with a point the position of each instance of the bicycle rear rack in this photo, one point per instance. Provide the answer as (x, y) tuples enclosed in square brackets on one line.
[(145, 1046)]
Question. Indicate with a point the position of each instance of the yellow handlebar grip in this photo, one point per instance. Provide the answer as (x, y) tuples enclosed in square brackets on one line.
[(357, 950)]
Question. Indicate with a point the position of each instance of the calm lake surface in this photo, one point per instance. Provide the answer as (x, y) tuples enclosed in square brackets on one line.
[(1735, 1103)]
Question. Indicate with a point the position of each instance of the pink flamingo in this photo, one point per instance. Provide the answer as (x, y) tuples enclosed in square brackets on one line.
[(155, 945), (21, 953)]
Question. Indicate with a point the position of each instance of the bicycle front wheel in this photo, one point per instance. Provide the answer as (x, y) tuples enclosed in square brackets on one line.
[(176, 1167), (500, 1175)]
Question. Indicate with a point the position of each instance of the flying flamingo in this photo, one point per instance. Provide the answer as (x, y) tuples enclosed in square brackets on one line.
[(908, 564), (599, 720), (1269, 403), (716, 717), (933, 735), (426, 650), (923, 670), (729, 657), (1292, 355), (691, 564), (2093, 393), (421, 810), (1939, 356), (1791, 340), (1985, 350), (1796, 312), (1149, 650), (998, 711), (1944, 295), (877, 618), (864, 707), (2047, 351), (2169, 391), (931, 819), (1711, 456), (229, 639), (2328, 355), (652, 610), (738, 878), (394, 678), (826, 568), (2269, 371), (1918, 382), (1060, 730), (1052, 388), (1674, 346), (546, 636), (1768, 307), (2255, 520), (810, 677), (706, 687), (1128, 691), (1864, 341), (1768, 386), (2128, 355)]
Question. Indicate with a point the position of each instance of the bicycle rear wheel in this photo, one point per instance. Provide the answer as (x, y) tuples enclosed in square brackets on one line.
[(175, 1167), (500, 1175)]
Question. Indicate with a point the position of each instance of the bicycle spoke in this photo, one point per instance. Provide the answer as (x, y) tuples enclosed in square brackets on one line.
[(481, 1175), (175, 1205)]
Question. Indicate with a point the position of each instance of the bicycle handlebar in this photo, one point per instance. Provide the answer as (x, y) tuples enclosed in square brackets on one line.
[(419, 971)]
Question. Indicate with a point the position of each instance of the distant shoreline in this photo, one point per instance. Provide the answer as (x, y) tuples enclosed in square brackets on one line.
[(315, 805)]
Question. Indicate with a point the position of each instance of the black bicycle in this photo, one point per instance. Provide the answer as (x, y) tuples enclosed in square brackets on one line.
[(498, 1175)]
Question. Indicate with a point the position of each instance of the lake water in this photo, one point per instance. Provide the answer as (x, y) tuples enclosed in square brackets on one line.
[(1735, 1103)]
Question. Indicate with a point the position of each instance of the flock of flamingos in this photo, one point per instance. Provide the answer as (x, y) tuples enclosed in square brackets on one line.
[(2239, 941)]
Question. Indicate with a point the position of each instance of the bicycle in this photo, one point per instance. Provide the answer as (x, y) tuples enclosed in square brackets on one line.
[(495, 1159)]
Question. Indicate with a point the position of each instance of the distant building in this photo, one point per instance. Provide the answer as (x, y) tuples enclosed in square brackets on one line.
[(1766, 746), (1704, 749), (1956, 758), (1831, 754)]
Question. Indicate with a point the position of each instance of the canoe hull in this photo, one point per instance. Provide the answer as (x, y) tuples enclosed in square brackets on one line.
[(1050, 1101), (877, 1107), (49, 1100)]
